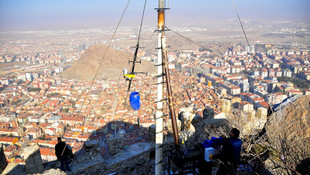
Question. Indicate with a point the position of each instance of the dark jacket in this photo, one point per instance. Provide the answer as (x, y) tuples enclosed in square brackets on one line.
[(232, 148), (230, 151), (61, 147)]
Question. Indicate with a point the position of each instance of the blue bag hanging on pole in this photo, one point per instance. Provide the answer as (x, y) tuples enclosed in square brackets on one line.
[(135, 100)]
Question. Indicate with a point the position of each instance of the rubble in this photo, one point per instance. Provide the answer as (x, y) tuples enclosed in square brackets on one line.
[(115, 144)]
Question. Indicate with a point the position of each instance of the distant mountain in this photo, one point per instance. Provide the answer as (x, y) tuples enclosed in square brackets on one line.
[(111, 68)]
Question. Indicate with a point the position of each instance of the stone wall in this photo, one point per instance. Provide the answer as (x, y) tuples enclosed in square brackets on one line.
[(33, 160)]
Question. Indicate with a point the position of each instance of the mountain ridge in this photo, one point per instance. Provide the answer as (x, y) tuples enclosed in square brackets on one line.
[(111, 64)]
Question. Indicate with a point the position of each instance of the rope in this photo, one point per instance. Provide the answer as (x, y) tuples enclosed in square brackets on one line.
[(137, 46), (63, 149), (106, 51), (184, 37), (240, 22), (141, 22)]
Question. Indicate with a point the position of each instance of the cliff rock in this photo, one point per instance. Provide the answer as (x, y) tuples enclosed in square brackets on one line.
[(288, 131)]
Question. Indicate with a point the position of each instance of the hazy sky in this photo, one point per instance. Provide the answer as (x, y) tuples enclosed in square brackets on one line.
[(36, 14)]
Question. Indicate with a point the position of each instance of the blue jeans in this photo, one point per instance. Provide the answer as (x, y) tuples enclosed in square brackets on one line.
[(64, 160)]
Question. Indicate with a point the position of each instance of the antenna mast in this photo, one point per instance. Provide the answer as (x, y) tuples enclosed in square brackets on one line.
[(163, 70), (159, 109)]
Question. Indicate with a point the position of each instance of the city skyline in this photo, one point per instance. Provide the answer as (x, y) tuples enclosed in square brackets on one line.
[(28, 15)]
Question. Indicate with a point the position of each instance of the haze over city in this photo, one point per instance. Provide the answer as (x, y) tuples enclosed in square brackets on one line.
[(57, 14), (67, 70)]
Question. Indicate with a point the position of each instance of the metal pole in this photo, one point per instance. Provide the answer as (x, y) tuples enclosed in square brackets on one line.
[(170, 96), (159, 109)]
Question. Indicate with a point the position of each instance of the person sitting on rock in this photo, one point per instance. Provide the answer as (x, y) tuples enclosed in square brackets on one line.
[(62, 152)]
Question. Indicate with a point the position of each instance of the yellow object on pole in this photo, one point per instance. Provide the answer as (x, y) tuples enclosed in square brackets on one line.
[(130, 75)]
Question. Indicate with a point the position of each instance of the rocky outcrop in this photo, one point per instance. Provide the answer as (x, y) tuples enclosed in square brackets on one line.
[(288, 131), (186, 116), (248, 123), (207, 127), (292, 121)]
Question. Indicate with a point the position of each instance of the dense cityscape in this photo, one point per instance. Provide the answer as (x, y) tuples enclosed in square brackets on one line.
[(37, 104)]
